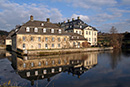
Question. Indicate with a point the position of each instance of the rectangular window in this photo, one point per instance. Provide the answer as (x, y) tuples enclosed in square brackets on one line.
[(46, 39), (80, 32), (73, 43), (80, 26), (24, 38), (95, 33), (27, 29), (52, 45), (39, 45), (89, 39), (31, 38), (44, 30), (53, 39), (35, 29), (64, 39), (59, 39), (24, 46), (58, 45), (59, 30), (46, 46), (86, 32), (78, 43), (95, 39), (89, 33), (39, 39), (52, 30)]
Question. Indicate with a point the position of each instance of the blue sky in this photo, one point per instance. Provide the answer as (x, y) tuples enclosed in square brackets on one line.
[(101, 14)]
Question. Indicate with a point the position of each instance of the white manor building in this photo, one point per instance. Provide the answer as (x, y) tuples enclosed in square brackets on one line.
[(78, 26)]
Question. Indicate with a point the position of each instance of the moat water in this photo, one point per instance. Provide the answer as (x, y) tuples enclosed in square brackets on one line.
[(90, 69)]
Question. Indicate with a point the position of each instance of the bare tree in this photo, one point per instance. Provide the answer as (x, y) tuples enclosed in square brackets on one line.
[(115, 38)]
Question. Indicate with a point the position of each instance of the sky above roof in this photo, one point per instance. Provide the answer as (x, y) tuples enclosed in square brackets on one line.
[(101, 14)]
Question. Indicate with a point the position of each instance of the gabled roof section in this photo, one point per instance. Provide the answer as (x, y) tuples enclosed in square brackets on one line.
[(36, 23), (75, 24)]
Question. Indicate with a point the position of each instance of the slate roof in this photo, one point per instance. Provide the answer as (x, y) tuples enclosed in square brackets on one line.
[(75, 24), (10, 34), (36, 23), (48, 25)]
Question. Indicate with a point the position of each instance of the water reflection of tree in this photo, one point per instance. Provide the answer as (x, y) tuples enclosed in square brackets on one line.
[(115, 57)]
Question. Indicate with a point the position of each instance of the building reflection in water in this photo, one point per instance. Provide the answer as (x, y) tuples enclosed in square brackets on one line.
[(40, 67)]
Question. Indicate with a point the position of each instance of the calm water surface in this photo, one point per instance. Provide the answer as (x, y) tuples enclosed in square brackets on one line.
[(91, 69)]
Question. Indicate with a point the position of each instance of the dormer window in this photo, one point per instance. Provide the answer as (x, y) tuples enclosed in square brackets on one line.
[(27, 29), (44, 30), (70, 26), (52, 30), (59, 30), (42, 24), (35, 29), (80, 26)]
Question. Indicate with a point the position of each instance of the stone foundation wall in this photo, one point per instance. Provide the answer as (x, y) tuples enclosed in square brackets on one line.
[(66, 51)]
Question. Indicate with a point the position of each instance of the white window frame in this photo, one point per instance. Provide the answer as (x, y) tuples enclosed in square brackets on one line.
[(52, 45), (64, 39), (52, 30), (58, 45), (53, 39), (46, 38), (53, 70), (46, 46), (39, 45), (27, 29), (80, 26), (24, 46), (59, 30), (80, 32), (44, 30), (35, 29), (87, 32), (42, 24), (39, 39), (59, 39), (24, 38)]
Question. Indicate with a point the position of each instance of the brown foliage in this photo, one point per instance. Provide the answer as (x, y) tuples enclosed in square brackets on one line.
[(85, 44), (115, 38)]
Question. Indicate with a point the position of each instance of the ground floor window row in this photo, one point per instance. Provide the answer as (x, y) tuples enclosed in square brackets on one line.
[(52, 45), (39, 45)]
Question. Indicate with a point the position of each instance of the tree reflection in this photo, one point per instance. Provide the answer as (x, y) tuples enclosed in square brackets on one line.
[(115, 57)]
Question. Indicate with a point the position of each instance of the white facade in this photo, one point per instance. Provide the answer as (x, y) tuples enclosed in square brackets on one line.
[(91, 35)]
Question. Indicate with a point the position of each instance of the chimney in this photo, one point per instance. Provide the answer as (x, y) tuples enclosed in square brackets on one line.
[(64, 22), (48, 20), (72, 19), (78, 17), (31, 18), (68, 20)]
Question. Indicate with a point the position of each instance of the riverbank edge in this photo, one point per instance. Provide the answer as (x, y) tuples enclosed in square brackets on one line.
[(64, 51)]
